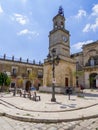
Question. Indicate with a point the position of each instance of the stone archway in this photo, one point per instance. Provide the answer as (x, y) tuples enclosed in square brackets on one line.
[(92, 80), (28, 85)]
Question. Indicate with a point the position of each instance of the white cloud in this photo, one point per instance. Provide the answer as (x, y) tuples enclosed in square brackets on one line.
[(21, 19), (95, 10), (93, 16), (91, 27), (25, 31), (79, 45), (81, 13), (1, 10), (86, 28), (95, 25), (28, 32)]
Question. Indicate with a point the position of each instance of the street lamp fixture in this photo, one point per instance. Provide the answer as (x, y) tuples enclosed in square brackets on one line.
[(54, 60)]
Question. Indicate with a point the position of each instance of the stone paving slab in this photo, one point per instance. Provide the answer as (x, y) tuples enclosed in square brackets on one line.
[(18, 125), (62, 103), (24, 109), (6, 123)]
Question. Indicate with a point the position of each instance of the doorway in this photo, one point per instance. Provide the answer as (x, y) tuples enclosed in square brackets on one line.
[(66, 82), (28, 85), (92, 80)]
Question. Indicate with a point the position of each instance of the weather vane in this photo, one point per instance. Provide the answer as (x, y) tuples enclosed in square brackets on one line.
[(61, 12)]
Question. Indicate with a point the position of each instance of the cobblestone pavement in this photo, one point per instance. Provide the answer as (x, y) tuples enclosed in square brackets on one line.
[(9, 124)]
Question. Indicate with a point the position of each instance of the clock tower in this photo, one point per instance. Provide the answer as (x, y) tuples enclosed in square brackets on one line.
[(59, 46), (59, 36)]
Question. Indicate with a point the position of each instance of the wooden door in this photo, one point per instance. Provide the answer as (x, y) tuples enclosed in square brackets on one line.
[(66, 82)]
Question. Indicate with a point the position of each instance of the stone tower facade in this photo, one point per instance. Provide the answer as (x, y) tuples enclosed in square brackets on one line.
[(59, 36), (59, 39)]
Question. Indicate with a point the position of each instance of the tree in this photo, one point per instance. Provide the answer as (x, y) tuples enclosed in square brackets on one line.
[(4, 80), (33, 76), (78, 74), (91, 80), (20, 82)]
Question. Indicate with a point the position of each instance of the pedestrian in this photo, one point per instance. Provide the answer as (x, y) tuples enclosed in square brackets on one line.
[(14, 91)]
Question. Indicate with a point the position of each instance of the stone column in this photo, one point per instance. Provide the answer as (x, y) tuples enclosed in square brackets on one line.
[(97, 81), (87, 84)]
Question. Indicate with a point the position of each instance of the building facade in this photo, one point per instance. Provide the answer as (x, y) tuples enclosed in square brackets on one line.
[(87, 65), (23, 73)]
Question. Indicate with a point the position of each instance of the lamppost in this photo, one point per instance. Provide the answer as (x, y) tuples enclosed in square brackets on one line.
[(77, 74), (54, 60)]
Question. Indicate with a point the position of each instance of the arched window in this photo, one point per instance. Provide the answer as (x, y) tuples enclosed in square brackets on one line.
[(55, 26), (92, 62), (62, 25)]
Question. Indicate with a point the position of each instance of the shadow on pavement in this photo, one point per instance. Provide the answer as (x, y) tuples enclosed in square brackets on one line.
[(90, 95)]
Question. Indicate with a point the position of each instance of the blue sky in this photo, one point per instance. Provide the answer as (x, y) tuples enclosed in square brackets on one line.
[(25, 25)]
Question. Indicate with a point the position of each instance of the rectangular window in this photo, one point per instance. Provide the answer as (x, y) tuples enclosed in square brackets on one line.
[(14, 71), (40, 74), (29, 71)]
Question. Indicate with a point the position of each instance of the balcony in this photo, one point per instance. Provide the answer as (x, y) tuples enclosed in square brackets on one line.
[(14, 75), (40, 76), (92, 62)]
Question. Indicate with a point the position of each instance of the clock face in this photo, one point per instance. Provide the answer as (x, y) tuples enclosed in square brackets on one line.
[(64, 38)]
